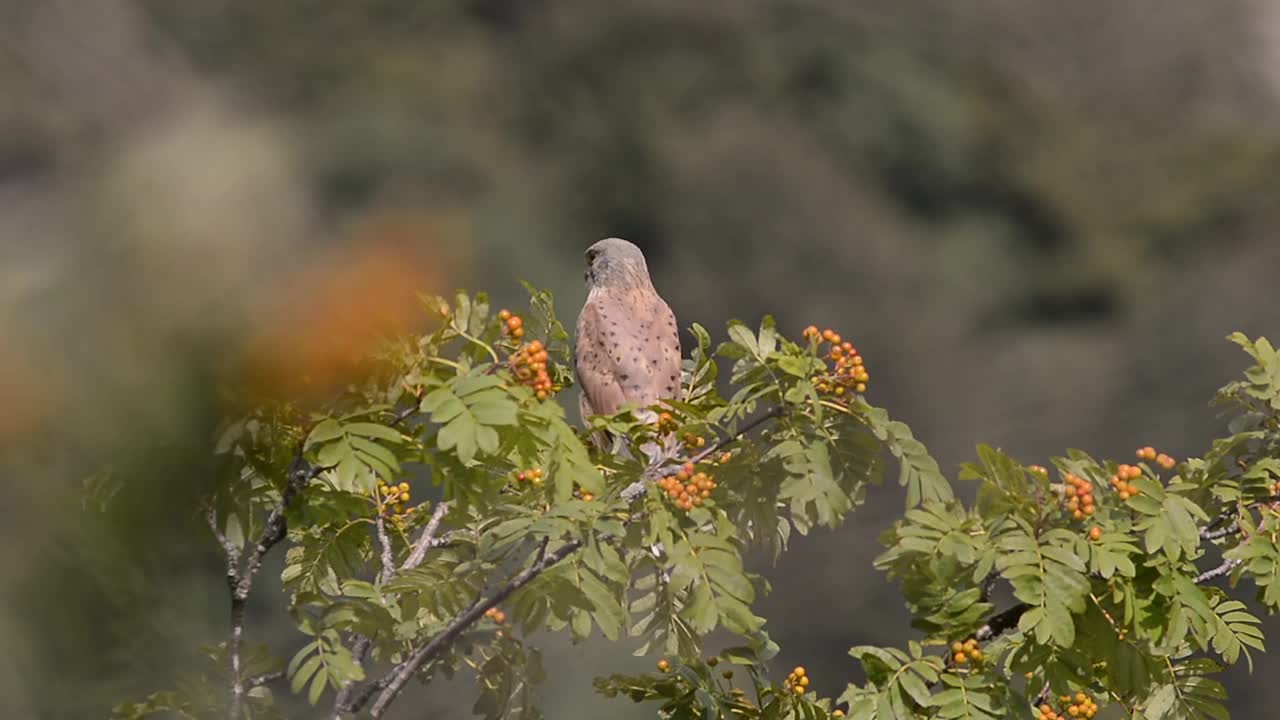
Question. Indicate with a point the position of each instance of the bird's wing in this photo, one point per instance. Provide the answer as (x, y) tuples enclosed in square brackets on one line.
[(595, 365), (665, 352), (628, 350)]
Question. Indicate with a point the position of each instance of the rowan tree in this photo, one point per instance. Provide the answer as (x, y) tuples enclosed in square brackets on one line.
[(1125, 577)]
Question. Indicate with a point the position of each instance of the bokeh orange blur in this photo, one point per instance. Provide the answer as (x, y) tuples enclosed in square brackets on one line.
[(316, 329), (28, 395)]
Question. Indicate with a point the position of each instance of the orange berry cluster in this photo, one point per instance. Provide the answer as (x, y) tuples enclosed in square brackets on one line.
[(797, 681), (1149, 454), (1078, 494), (726, 456), (532, 476), (393, 498), (496, 615), (511, 324), (1122, 481), (1038, 469), (530, 366), (693, 442), (1077, 706), (963, 652), (666, 422), (687, 488), (850, 375), (585, 496)]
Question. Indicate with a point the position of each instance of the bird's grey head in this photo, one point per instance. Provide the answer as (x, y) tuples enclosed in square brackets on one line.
[(616, 263)]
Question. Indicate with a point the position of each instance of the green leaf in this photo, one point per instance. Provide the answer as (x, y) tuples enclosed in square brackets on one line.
[(373, 431), (742, 336), (920, 473), (325, 431)]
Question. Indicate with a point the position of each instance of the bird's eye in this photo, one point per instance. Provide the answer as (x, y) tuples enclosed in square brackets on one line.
[(591, 256)]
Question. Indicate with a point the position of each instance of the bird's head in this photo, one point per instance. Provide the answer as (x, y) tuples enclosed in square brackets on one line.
[(616, 263)]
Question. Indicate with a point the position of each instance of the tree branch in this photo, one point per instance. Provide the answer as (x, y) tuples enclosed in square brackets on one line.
[(388, 563), (1211, 532), (1001, 623), (638, 487), (1230, 529), (389, 687), (240, 580), (1226, 567), (360, 648), (1006, 620), (359, 653), (722, 443), (427, 539), (229, 550), (265, 678)]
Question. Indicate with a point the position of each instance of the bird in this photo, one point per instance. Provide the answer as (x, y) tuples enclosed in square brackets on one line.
[(627, 344)]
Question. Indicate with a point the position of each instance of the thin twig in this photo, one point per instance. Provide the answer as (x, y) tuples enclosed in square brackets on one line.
[(265, 678), (773, 412)]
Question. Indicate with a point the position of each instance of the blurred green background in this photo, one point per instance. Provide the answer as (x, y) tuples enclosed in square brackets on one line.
[(1036, 220)]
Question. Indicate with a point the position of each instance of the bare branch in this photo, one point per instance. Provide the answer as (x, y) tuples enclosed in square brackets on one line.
[(229, 550), (404, 414), (1210, 531), (722, 443), (359, 652), (233, 656), (1225, 568), (1001, 623), (265, 678), (1230, 529), (240, 581), (427, 539), (388, 563), (389, 687), (300, 473), (638, 487)]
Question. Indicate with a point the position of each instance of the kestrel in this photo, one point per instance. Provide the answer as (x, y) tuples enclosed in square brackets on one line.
[(627, 348)]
